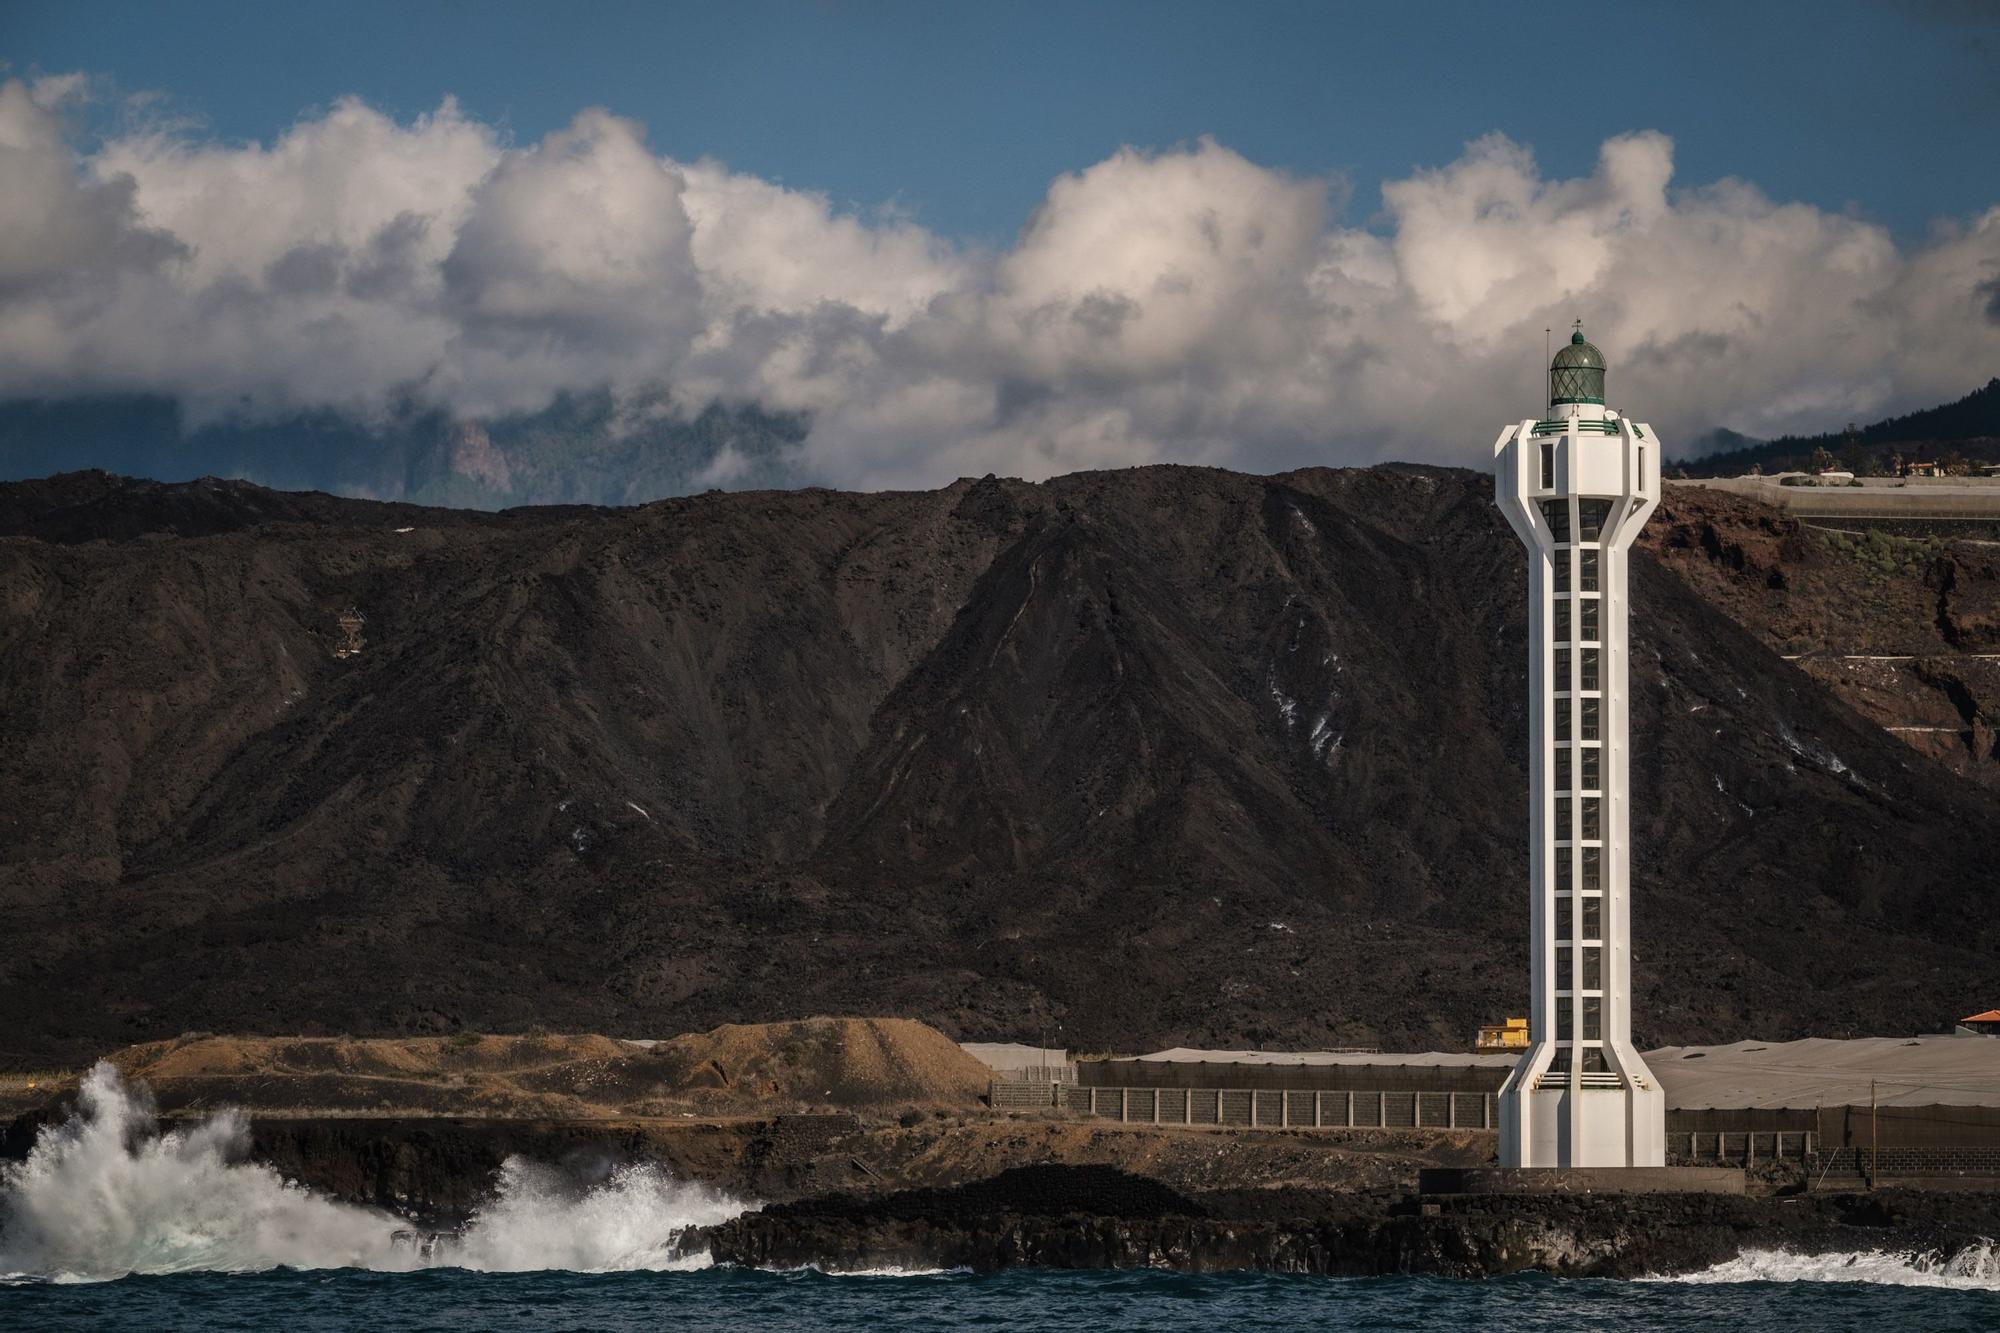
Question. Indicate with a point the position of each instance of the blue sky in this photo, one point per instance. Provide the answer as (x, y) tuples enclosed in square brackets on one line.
[(962, 113)]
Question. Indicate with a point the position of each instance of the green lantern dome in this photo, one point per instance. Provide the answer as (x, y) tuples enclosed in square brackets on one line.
[(1577, 373)]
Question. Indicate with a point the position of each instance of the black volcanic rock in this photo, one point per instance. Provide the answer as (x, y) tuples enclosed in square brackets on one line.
[(1166, 755), (1027, 1191), (1085, 1224)]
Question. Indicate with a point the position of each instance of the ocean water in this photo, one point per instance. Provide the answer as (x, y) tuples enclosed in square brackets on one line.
[(110, 1224), (722, 1298)]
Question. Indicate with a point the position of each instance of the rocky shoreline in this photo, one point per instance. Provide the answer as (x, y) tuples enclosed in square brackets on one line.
[(1084, 1217), (842, 1194)]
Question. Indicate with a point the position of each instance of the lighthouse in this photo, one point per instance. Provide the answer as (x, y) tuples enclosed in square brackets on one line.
[(1577, 485)]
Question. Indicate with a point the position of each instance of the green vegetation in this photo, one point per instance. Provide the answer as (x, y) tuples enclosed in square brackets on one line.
[(1883, 556), (461, 1041)]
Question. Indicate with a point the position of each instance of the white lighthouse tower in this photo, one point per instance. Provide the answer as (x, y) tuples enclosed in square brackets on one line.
[(1577, 486)]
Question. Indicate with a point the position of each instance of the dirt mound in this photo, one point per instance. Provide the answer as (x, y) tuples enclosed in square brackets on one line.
[(567, 1076), (407, 1057), (749, 1068), (837, 1061)]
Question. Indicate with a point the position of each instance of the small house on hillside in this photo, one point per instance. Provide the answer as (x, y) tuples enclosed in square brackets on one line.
[(1981, 1025)]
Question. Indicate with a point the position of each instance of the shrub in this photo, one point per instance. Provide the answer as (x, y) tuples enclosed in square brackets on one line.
[(461, 1041)]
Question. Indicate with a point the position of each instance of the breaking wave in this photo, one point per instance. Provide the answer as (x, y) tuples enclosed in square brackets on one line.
[(106, 1194), (1975, 1268)]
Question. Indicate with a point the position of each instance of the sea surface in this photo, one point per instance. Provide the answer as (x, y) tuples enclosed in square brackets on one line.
[(1870, 1295), (111, 1224)]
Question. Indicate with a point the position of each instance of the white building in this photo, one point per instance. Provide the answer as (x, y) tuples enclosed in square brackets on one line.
[(1577, 487)]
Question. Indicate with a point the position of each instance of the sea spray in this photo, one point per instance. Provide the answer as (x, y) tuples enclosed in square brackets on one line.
[(107, 1193), (630, 1221), (1974, 1268)]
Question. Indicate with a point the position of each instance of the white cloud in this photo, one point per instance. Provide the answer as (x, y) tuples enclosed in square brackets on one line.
[(1185, 304), (763, 248), (572, 267), (59, 233)]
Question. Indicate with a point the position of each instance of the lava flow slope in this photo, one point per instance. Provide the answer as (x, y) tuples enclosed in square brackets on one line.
[(1163, 755)]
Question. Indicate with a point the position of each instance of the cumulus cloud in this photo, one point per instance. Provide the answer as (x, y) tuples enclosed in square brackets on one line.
[(1185, 304), (59, 234)]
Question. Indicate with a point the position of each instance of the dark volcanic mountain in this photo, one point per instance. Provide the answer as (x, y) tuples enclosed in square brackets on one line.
[(1969, 428), (1163, 755)]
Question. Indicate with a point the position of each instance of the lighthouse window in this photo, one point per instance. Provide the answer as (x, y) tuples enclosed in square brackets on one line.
[(1590, 668), (1586, 570), (1590, 719), (1562, 571), (1593, 967), (1559, 1062), (1593, 1018), (1642, 467), (1564, 921), (1591, 764), (1563, 969), (1562, 819), (1556, 514), (1593, 918), (1563, 873), (1590, 516), (1548, 466), (1592, 818), (1562, 671), (1562, 719), (1593, 869), (1565, 1024), (1589, 612), (1562, 769), (1593, 1061), (1562, 620)]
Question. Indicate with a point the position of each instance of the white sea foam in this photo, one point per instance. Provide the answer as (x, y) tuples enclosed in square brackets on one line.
[(537, 1220), (106, 1194), (1975, 1268)]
